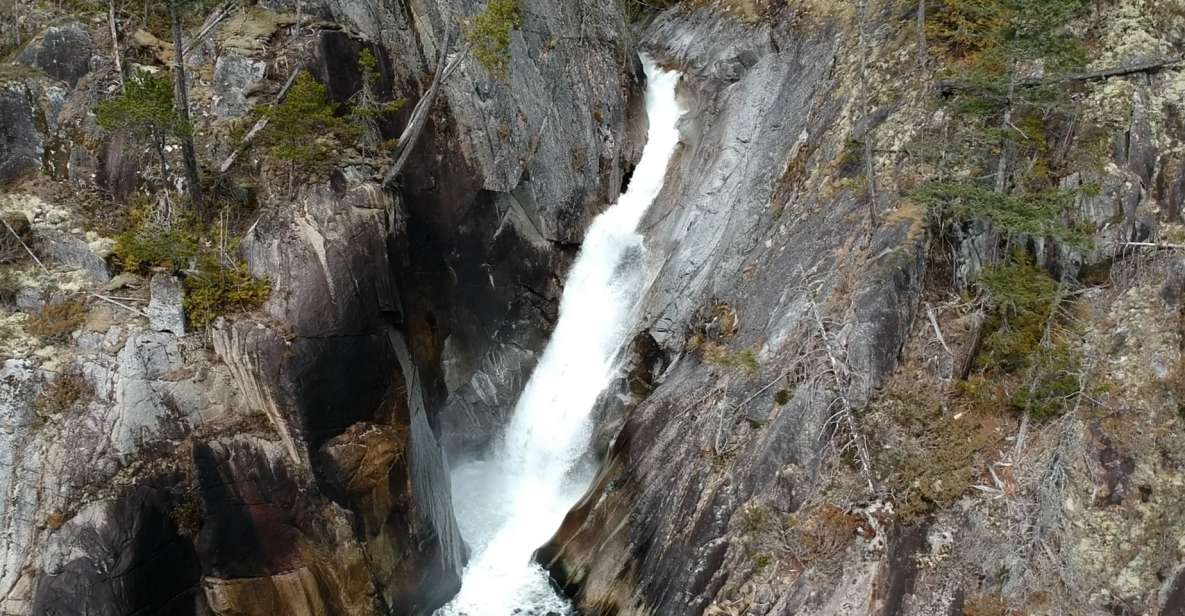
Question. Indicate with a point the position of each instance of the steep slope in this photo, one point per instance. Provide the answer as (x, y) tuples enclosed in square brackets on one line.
[(813, 422)]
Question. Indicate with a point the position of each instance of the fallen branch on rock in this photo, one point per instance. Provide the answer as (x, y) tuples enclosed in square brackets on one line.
[(1156, 245), (951, 86), (46, 270), (259, 124)]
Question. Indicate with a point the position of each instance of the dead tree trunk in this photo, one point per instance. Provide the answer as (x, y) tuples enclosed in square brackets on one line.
[(1002, 165), (118, 59), (922, 50), (181, 100)]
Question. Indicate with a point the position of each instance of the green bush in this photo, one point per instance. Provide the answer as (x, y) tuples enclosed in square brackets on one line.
[(146, 245), (369, 106), (1020, 297), (1055, 381), (489, 34), (302, 129), (1037, 215), (984, 36), (986, 47), (1021, 307), (144, 110), (218, 289)]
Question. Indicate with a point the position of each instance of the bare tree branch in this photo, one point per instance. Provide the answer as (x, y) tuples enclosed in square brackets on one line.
[(118, 58), (214, 19), (950, 86), (419, 114)]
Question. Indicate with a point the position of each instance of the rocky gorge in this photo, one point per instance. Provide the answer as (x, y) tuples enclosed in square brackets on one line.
[(909, 335)]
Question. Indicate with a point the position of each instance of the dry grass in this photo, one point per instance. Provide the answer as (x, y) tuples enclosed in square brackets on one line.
[(55, 322), (987, 605), (69, 389)]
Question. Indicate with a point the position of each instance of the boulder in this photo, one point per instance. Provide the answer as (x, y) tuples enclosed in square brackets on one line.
[(234, 76), (71, 252), (64, 52)]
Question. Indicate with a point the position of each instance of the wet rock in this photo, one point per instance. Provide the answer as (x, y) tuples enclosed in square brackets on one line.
[(652, 534), (166, 305), (64, 52)]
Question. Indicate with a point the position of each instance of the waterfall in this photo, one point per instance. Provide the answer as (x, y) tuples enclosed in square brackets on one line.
[(511, 503)]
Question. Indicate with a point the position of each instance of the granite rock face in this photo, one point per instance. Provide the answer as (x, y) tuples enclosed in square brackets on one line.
[(791, 309), (65, 52), (166, 310), (294, 459)]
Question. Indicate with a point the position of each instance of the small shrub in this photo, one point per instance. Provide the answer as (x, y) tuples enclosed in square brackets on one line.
[(55, 322), (1021, 299), (1038, 215), (850, 162), (145, 111), (369, 106), (55, 520), (1054, 382), (489, 34), (68, 389), (301, 129), (147, 245), (757, 518), (937, 457), (987, 605), (218, 289), (719, 355), (820, 532)]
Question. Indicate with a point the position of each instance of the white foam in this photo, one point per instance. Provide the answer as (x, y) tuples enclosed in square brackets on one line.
[(512, 503)]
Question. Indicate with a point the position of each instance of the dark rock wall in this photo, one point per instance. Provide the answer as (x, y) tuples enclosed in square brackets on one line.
[(400, 319)]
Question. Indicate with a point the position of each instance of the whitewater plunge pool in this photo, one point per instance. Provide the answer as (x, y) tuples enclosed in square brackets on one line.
[(511, 502)]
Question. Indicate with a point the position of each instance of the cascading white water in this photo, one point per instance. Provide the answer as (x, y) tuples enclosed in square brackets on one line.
[(511, 503)]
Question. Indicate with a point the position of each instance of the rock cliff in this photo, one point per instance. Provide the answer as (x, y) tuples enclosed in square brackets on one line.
[(290, 460), (802, 428), (910, 342)]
